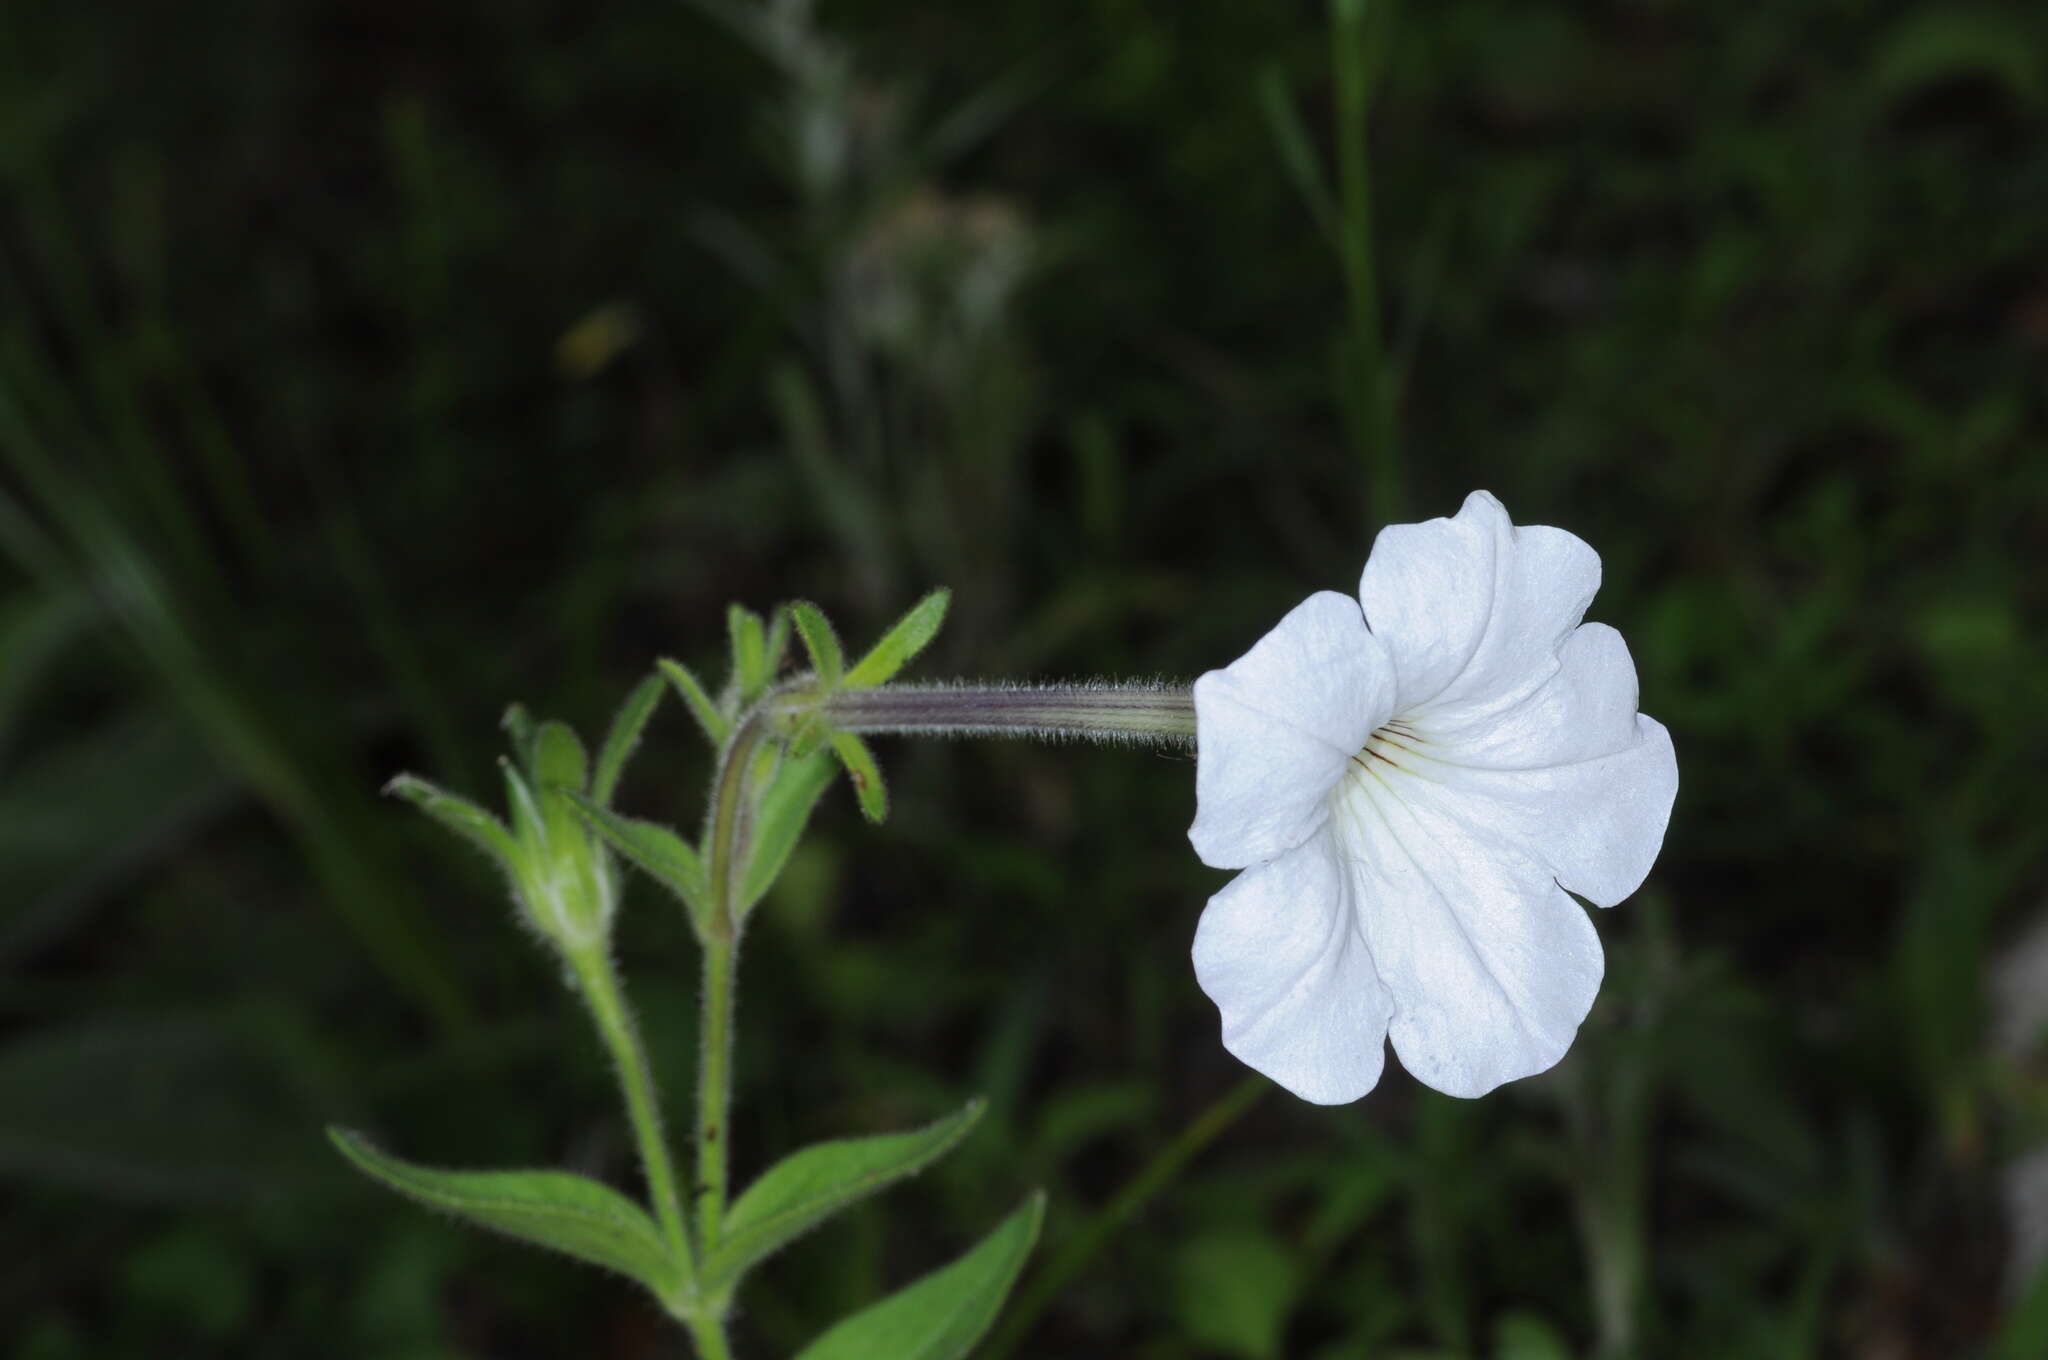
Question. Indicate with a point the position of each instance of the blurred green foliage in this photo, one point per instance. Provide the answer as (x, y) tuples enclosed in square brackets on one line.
[(366, 366)]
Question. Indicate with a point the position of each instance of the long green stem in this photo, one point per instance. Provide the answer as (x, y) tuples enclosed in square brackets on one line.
[(718, 933), (721, 944), (1087, 1244), (600, 984), (714, 1087), (708, 1332), (1358, 37)]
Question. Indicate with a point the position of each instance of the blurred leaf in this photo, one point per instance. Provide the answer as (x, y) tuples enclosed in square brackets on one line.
[(1938, 963), (1525, 1336), (868, 785), (2025, 1333), (165, 1108), (910, 635), (196, 1276), (1297, 151), (1937, 43), (941, 1316), (1235, 1288), (849, 505), (36, 628), (77, 820), (807, 1187), (785, 809), (567, 1213), (623, 738)]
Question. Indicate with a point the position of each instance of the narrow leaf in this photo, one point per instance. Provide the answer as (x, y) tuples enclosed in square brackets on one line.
[(1297, 152), (518, 725), (777, 645), (941, 1316), (866, 775), (461, 816), (749, 651), (820, 641), (567, 1213), (620, 742), (807, 1187), (785, 809), (526, 818), (670, 859), (699, 703), (912, 633)]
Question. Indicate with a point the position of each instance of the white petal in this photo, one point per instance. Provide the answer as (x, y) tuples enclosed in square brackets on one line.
[(1279, 952), (1490, 965), (1472, 609), (1275, 729), (1572, 776)]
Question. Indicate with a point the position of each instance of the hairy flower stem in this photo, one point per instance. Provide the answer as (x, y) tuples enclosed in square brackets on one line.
[(599, 982), (718, 932), (1141, 714)]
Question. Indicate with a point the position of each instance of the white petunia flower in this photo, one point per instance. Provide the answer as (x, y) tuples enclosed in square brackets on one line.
[(1410, 790)]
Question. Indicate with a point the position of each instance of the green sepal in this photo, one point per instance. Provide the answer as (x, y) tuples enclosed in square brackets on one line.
[(559, 757), (749, 652), (665, 856), (567, 1213), (716, 727), (827, 659), (777, 646), (943, 1315), (866, 775), (461, 816), (911, 635), (624, 737), (809, 1186), (518, 725), (527, 822), (779, 823)]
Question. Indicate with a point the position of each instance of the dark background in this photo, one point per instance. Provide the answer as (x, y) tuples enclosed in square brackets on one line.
[(364, 367)]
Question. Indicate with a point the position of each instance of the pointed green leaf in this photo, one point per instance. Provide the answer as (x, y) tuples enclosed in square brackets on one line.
[(941, 1316), (911, 635), (866, 775), (1296, 148), (820, 641), (526, 818), (807, 1187), (555, 1209), (785, 809), (620, 742), (777, 646), (669, 858), (461, 816), (749, 651), (518, 725), (560, 766), (699, 702)]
